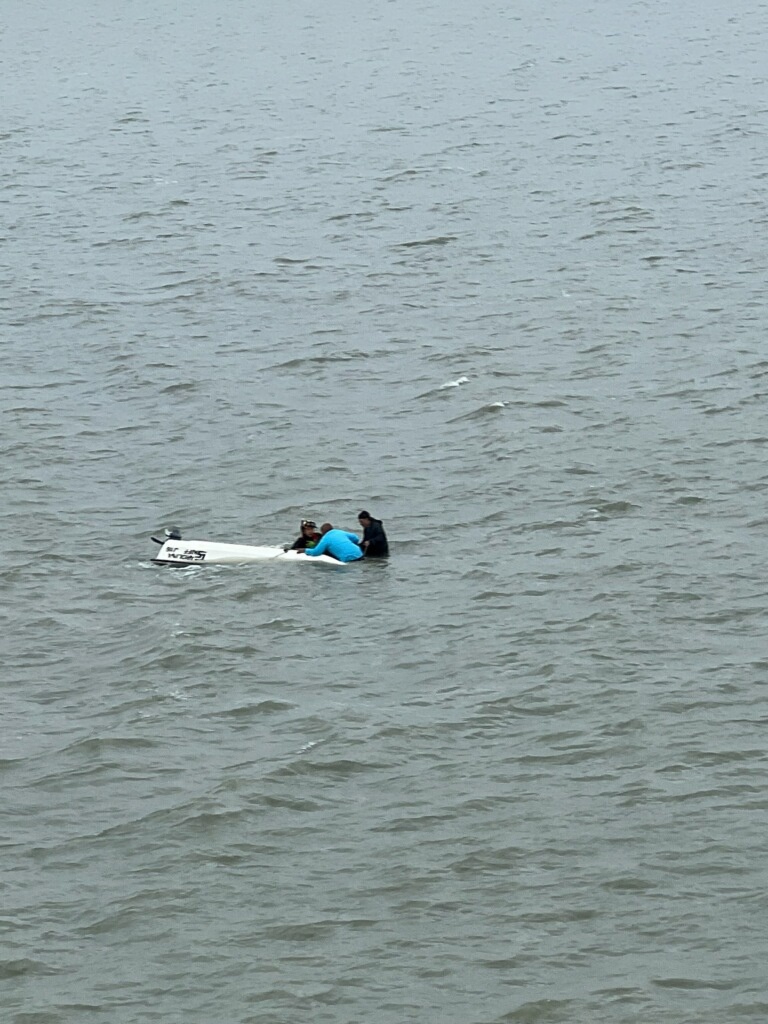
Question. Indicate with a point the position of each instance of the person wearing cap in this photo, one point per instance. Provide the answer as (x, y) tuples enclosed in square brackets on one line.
[(308, 537), (343, 546), (374, 542)]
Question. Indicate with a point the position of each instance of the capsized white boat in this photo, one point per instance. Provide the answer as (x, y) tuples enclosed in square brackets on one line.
[(175, 551)]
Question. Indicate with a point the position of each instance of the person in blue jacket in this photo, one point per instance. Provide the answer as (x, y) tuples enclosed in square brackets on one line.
[(337, 543)]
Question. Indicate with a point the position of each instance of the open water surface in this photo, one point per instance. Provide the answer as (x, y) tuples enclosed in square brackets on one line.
[(496, 272)]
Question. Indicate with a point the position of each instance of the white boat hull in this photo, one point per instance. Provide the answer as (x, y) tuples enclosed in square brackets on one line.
[(206, 552)]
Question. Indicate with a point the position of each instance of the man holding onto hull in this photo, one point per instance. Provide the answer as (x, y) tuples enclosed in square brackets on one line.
[(307, 538), (343, 546), (374, 542)]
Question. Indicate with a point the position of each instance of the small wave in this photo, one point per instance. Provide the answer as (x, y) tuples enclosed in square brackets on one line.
[(174, 389), (695, 983), (96, 746), (336, 357), (492, 409), (245, 711), (24, 966), (140, 215), (421, 242), (341, 768), (612, 508), (352, 216), (309, 931)]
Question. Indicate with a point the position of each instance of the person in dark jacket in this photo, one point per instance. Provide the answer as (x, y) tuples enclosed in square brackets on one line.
[(374, 542), (308, 537)]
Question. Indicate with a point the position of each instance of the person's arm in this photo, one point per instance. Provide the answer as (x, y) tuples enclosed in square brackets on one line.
[(319, 548), (298, 545), (354, 537)]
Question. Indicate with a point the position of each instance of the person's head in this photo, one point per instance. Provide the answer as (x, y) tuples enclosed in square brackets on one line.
[(325, 528), (364, 518), (308, 526)]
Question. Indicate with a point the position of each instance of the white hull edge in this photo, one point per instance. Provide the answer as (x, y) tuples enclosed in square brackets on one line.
[(206, 552)]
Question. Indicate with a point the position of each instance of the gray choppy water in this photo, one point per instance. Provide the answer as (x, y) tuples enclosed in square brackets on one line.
[(517, 774)]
